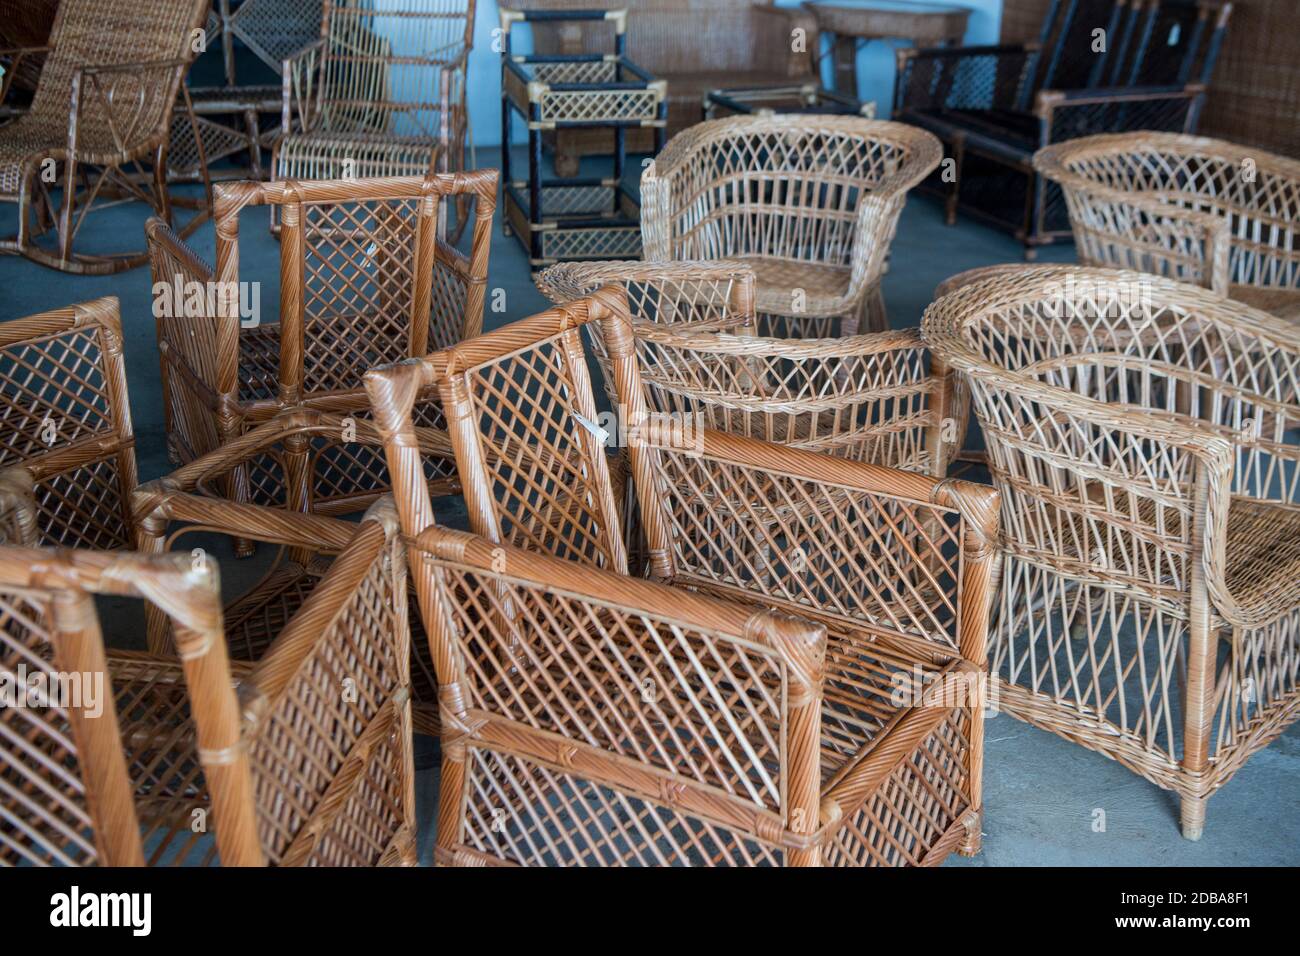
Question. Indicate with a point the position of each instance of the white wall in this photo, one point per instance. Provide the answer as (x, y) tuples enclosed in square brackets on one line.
[(875, 63)]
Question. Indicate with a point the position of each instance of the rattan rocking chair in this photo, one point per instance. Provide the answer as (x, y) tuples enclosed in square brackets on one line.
[(870, 397), (682, 720), (103, 106), (363, 281), (65, 417), (1143, 435), (810, 203), (381, 93), (155, 759), (1199, 210)]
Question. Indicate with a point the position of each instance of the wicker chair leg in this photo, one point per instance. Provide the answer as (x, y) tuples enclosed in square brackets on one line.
[(1193, 816), (974, 840)]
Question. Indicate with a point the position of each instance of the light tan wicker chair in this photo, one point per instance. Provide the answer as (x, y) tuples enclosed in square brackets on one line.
[(64, 415), (810, 203), (156, 759), (1143, 435), (684, 722), (103, 106), (382, 93), (869, 397), (363, 281), (1199, 210)]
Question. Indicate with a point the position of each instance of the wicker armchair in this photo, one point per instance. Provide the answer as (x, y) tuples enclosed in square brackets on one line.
[(381, 93), (1143, 435), (866, 397), (376, 286), (993, 106), (810, 203), (565, 685), (67, 420), (280, 457), (104, 105), (165, 763), (1199, 210)]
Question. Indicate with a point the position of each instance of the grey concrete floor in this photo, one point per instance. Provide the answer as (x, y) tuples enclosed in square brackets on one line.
[(1041, 793)]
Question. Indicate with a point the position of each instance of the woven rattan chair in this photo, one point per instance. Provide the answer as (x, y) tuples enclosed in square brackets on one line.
[(382, 93), (280, 456), (309, 763), (64, 415), (103, 106), (1143, 435), (1199, 210), (684, 722), (810, 203), (867, 397), (376, 286)]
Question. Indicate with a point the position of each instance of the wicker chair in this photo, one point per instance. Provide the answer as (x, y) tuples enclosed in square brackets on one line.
[(280, 455), (66, 418), (104, 105), (866, 397), (382, 93), (376, 286), (167, 763), (681, 721), (1199, 210), (1143, 435), (810, 203)]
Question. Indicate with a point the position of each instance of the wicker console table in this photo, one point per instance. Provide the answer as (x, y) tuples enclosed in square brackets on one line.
[(575, 217)]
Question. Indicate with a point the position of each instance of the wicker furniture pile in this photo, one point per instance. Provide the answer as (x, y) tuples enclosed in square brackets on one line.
[(173, 768), (686, 719)]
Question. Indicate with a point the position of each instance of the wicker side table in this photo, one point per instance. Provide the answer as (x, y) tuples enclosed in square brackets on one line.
[(575, 217), (765, 101)]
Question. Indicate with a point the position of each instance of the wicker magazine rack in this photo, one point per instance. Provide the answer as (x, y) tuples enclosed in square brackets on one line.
[(1198, 210), (1143, 435), (364, 281), (810, 203), (575, 217), (570, 687), (171, 766)]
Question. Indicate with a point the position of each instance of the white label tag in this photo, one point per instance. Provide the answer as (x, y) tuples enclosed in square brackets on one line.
[(602, 436)]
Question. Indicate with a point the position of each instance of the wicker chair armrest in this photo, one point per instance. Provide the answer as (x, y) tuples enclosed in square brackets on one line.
[(1072, 114), (538, 595), (1159, 234), (136, 110), (298, 86), (968, 77), (18, 511)]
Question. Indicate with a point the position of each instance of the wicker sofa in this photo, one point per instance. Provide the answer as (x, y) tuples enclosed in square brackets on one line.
[(732, 43)]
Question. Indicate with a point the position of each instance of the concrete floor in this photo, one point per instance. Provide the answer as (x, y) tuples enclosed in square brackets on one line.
[(1041, 793)]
